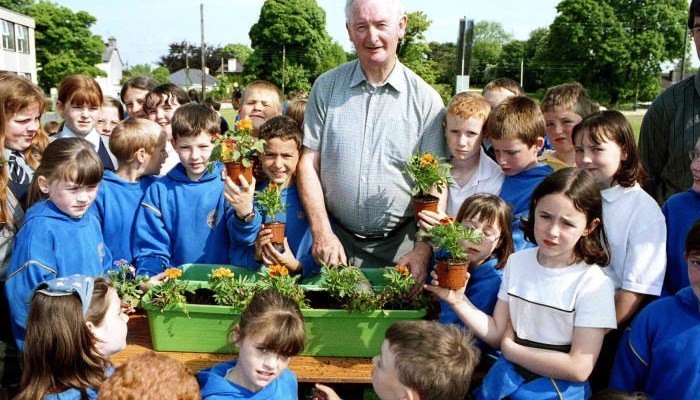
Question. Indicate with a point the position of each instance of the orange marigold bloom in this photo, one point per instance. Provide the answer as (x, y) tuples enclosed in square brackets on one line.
[(231, 144), (173, 273), (447, 220), (215, 137), (276, 270), (244, 124), (426, 160), (222, 273), (402, 269)]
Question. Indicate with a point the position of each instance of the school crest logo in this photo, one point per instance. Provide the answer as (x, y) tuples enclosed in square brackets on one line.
[(213, 218)]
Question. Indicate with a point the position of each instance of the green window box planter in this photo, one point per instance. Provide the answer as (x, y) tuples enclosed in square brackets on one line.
[(328, 332)]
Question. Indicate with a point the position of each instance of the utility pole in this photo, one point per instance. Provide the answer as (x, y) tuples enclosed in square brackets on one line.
[(522, 70), (284, 61), (204, 76), (685, 44), (188, 81)]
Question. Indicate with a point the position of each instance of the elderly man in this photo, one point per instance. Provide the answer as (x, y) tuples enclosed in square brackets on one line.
[(363, 121), (670, 129)]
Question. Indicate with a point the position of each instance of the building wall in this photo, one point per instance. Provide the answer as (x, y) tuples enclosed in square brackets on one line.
[(12, 59), (110, 84)]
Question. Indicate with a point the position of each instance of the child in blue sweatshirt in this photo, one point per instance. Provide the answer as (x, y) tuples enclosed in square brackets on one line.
[(680, 210), (139, 146), (58, 238), (183, 217), (659, 353), (516, 129), (279, 162), (269, 333)]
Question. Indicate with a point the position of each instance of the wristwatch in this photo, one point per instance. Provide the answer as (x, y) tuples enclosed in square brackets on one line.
[(247, 217)]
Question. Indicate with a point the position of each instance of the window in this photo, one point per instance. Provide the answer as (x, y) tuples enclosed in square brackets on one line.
[(22, 39), (8, 35)]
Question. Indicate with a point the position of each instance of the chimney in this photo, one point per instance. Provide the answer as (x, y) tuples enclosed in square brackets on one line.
[(112, 42)]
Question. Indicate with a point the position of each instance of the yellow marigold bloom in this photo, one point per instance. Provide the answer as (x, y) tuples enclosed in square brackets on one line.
[(222, 273), (426, 160), (244, 124), (173, 273), (276, 270), (402, 269)]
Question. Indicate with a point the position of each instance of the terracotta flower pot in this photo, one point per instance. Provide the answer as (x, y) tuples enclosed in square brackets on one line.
[(277, 231), (233, 169), (451, 275), (424, 202)]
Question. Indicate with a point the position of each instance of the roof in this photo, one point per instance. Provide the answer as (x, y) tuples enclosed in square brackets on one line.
[(180, 78), (111, 47)]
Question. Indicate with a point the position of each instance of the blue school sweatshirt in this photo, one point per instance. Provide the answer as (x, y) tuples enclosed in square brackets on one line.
[(659, 353), (182, 221), (50, 245), (296, 229), (681, 211), (517, 191), (216, 387), (115, 206)]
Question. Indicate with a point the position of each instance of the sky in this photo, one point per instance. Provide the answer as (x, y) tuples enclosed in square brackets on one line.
[(145, 28)]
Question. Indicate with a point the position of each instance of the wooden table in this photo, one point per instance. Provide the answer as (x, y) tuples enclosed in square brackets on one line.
[(306, 368)]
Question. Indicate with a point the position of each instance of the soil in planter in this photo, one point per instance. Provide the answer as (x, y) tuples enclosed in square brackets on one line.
[(201, 296), (321, 299)]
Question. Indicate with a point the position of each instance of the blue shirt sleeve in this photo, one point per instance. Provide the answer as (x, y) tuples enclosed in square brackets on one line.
[(151, 245), (631, 367)]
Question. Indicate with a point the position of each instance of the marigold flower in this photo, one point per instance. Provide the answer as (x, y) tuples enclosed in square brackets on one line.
[(402, 269), (173, 273), (447, 220), (215, 137), (231, 144), (222, 273), (426, 160), (276, 270), (244, 124)]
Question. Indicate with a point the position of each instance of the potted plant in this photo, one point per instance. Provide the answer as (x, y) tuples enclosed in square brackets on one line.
[(236, 149), (130, 288), (448, 236), (331, 331), (171, 292), (427, 172), (271, 204)]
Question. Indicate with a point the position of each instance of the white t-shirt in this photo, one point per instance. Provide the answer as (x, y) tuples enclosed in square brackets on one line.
[(636, 230), (546, 304), (488, 178)]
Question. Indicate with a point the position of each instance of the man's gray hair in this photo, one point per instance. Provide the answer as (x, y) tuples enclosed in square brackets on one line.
[(398, 6)]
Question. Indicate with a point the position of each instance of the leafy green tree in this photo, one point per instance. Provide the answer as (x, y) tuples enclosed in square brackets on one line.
[(334, 56), (238, 51), (489, 38), (444, 59), (161, 74), (295, 27), (64, 43), (615, 48), (412, 49)]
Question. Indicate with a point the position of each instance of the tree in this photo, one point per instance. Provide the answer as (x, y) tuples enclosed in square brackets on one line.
[(615, 48), (64, 43), (295, 28), (238, 51), (412, 49), (489, 38)]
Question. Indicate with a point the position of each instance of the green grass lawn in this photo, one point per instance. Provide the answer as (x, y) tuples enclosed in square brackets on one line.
[(229, 115), (636, 122)]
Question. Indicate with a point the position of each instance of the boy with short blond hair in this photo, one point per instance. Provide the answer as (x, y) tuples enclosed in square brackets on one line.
[(563, 107), (516, 129), (472, 170), (183, 217), (139, 146), (261, 101), (408, 369)]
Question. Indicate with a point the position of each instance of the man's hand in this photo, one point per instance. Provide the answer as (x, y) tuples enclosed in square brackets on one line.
[(329, 249), (417, 261), (240, 198)]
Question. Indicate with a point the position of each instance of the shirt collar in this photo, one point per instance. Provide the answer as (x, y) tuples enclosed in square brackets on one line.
[(615, 193), (395, 79), (93, 137)]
